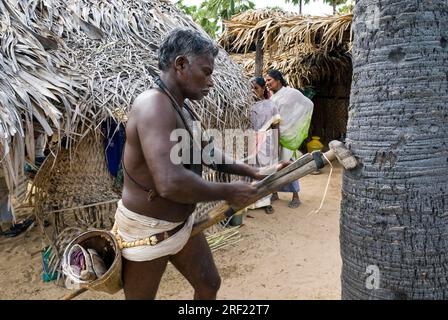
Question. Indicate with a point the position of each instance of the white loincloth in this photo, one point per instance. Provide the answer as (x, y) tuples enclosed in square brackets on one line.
[(133, 226)]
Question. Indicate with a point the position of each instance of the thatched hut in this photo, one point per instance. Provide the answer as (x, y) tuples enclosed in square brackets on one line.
[(313, 53), (69, 66)]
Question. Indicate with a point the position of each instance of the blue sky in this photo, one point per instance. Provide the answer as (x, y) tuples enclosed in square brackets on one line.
[(314, 8)]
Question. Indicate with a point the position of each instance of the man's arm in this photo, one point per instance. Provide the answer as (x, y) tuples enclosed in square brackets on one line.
[(231, 166), (157, 120), (242, 169), (228, 165)]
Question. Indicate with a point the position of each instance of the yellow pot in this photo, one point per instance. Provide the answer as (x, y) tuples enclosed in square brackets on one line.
[(314, 144)]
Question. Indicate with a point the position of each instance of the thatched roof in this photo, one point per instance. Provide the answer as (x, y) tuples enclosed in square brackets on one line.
[(305, 48), (66, 65)]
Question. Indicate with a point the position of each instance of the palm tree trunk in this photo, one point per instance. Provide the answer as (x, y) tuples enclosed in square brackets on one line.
[(394, 211), (259, 56), (334, 6), (300, 7)]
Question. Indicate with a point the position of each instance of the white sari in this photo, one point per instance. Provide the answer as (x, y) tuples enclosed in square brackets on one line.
[(264, 115), (295, 111)]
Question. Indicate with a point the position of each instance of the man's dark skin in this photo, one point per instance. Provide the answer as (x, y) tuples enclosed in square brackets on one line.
[(147, 160)]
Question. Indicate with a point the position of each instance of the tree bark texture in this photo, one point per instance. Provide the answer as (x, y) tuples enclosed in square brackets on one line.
[(394, 210), (259, 56)]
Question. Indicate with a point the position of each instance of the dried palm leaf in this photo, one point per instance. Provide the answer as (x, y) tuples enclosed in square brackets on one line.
[(67, 65)]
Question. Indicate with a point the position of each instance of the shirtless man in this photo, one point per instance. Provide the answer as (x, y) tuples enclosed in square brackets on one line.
[(160, 196)]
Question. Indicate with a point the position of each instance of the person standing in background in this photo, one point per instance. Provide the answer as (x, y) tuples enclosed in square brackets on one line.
[(265, 119), (295, 111)]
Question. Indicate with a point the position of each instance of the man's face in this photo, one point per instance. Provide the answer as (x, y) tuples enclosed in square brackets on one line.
[(197, 77), (272, 84)]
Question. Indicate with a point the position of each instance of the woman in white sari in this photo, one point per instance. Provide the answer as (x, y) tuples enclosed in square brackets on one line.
[(265, 120), (296, 111)]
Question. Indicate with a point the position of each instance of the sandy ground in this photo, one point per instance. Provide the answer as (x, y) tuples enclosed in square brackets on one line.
[(290, 254)]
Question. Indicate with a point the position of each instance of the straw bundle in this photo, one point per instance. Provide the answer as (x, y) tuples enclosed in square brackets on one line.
[(224, 238)]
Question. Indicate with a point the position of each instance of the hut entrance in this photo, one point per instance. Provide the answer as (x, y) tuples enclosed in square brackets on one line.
[(330, 114)]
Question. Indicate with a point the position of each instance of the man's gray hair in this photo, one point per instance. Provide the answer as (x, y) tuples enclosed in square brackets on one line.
[(186, 42)]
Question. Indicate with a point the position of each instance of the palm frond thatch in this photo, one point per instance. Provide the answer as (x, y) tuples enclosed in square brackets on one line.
[(304, 68), (67, 65), (283, 30), (306, 49)]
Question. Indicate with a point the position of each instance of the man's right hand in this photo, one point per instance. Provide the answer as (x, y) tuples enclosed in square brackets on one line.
[(240, 194)]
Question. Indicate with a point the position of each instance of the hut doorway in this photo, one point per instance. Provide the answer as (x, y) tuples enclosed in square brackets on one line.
[(330, 114)]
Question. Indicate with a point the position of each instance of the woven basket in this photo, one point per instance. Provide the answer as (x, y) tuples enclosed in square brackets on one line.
[(106, 246), (76, 189)]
